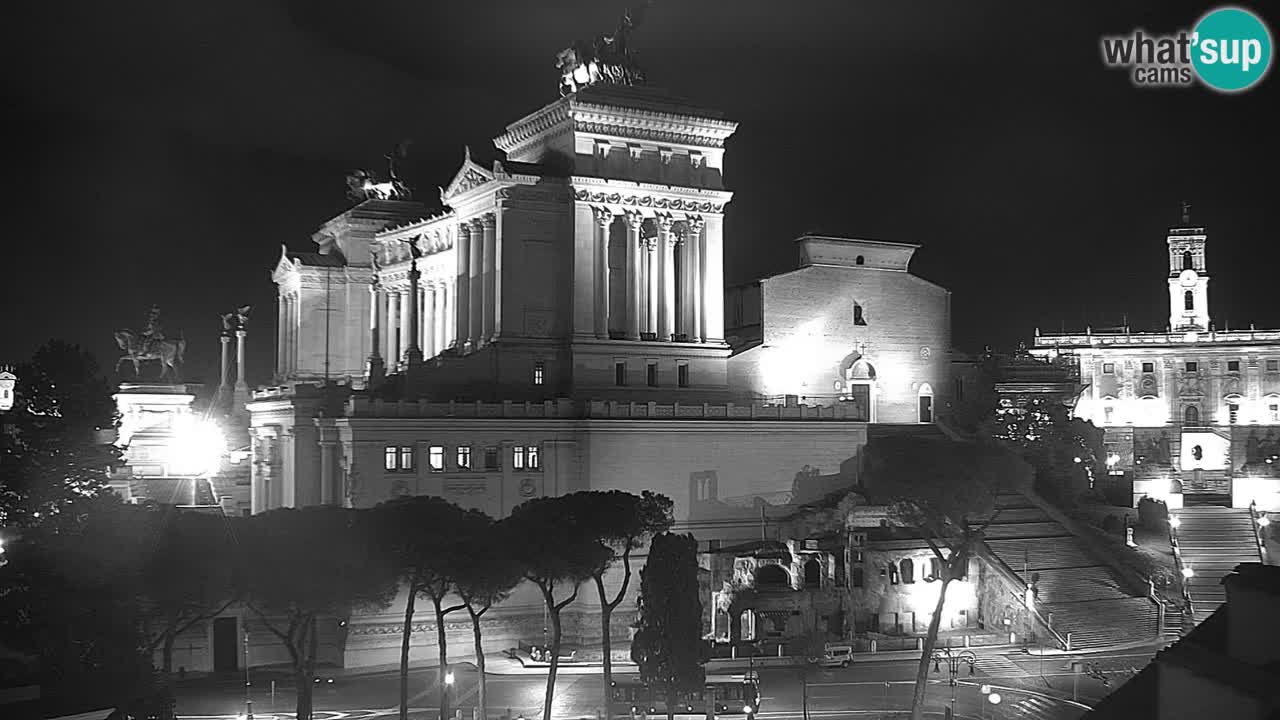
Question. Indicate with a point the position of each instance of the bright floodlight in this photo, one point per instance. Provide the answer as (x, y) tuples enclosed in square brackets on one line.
[(1264, 521), (985, 689), (1187, 572), (746, 709), (1175, 521), (448, 678), (994, 698), (1075, 459), (197, 446), (1112, 459)]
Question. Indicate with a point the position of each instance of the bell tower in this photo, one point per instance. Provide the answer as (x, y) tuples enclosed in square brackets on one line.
[(1188, 276)]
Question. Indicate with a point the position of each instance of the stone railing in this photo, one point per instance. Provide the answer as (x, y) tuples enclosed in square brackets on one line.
[(729, 411), (1170, 338), (366, 407)]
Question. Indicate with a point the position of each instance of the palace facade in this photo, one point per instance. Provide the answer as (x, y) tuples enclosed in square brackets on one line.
[(1191, 413)]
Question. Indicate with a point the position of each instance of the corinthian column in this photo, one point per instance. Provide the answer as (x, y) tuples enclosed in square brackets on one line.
[(462, 303), (651, 259), (488, 225), (666, 279), (429, 320), (604, 218), (475, 273), (393, 332), (413, 352), (634, 221), (375, 370), (698, 331)]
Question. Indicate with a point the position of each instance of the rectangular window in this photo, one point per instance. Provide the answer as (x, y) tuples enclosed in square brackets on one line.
[(1107, 414), (390, 458), (464, 458), (1273, 412), (517, 458), (1193, 366), (1148, 367), (682, 375), (620, 374), (533, 457), (1233, 413), (1233, 366), (1108, 368), (406, 459), (959, 390), (1273, 365), (651, 374), (435, 458), (491, 458), (539, 369)]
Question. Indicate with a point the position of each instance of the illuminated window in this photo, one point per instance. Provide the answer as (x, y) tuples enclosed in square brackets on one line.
[(397, 458), (908, 571), (539, 368), (1273, 412), (1233, 413), (389, 458), (1233, 366), (464, 458), (1193, 366), (620, 374), (1148, 367), (435, 458), (1108, 368), (1188, 300), (682, 375), (858, 319), (893, 576), (491, 458), (406, 459), (525, 457), (1107, 413), (533, 457), (651, 374), (517, 458), (1273, 365)]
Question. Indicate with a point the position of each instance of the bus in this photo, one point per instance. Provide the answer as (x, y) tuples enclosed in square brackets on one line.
[(732, 695)]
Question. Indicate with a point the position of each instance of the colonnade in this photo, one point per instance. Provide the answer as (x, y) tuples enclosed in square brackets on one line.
[(392, 318), (666, 279)]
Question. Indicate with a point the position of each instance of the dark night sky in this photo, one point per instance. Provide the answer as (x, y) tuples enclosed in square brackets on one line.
[(163, 151)]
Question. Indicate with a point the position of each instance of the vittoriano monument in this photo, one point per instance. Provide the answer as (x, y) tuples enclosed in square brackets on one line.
[(606, 60), (151, 344), (363, 185)]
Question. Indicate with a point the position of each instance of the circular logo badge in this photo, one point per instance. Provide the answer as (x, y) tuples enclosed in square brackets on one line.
[(1231, 49)]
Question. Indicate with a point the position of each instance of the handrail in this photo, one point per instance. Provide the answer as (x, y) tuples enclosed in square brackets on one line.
[(1177, 559), (1010, 573), (1254, 517)]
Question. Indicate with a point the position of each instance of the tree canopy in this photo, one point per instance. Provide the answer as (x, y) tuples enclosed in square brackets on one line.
[(668, 645)]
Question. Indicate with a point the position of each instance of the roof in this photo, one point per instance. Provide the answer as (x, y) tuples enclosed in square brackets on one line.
[(317, 259)]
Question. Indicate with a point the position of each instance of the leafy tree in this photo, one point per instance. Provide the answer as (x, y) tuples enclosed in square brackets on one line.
[(555, 547), (429, 542), (188, 576), (53, 446), (486, 580), (621, 521), (941, 489), (299, 565), (1066, 452), (668, 646)]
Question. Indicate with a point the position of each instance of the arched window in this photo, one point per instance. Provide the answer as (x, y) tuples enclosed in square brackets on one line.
[(1191, 416), (1189, 300), (1188, 262), (858, 577), (908, 570), (858, 319), (772, 576), (935, 569), (812, 573), (859, 260)]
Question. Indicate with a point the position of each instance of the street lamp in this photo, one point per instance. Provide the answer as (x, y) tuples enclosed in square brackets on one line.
[(953, 661), (447, 678), (1187, 572), (988, 696)]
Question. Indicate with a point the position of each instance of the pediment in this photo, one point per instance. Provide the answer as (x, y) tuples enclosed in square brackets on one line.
[(470, 176), (284, 266)]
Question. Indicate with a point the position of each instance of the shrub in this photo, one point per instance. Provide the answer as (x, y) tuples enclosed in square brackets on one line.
[(1111, 525), (1153, 514)]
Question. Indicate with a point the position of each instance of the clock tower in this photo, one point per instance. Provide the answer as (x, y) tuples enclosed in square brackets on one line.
[(1188, 278)]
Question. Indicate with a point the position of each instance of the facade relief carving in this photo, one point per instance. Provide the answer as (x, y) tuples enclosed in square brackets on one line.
[(648, 201)]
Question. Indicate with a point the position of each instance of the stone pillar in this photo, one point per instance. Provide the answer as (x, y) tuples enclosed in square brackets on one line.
[(393, 327), (666, 279), (603, 218), (697, 271), (242, 386), (405, 318), (651, 260), (224, 385), (413, 321), (430, 347), (713, 276), (475, 275), (375, 370), (281, 328), (634, 267), (328, 482), (488, 224), (462, 302)]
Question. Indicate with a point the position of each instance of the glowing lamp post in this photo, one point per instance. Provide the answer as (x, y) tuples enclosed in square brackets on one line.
[(953, 661), (196, 449)]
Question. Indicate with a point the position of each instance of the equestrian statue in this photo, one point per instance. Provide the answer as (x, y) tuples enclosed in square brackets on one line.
[(151, 344)]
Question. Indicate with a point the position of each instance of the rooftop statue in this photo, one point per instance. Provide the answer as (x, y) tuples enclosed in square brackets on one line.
[(606, 60), (363, 185), (235, 320), (151, 344)]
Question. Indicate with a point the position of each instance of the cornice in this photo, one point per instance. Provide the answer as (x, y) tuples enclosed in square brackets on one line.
[(533, 126), (644, 196)]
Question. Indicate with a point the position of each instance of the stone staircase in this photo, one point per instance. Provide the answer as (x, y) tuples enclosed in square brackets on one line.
[(1078, 593), (1212, 541), (1214, 483)]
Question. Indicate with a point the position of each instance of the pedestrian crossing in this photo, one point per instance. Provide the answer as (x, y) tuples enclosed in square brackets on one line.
[(997, 665), (1037, 708)]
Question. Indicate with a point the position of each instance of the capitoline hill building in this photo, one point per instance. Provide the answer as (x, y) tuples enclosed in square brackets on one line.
[(562, 323), (1190, 413)]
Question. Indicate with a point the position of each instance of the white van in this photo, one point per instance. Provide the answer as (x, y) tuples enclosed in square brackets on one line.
[(837, 656)]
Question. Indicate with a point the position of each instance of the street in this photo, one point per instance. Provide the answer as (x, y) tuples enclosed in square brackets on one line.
[(1028, 686)]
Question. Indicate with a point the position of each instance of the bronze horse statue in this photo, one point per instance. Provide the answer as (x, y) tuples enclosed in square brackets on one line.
[(138, 350)]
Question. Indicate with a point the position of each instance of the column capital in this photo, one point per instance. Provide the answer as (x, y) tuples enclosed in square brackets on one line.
[(464, 228), (603, 215), (649, 243), (634, 219), (486, 221), (695, 223), (665, 222)]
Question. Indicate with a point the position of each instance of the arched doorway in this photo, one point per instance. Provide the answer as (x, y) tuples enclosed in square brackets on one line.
[(924, 400), (1191, 416), (812, 573), (860, 387)]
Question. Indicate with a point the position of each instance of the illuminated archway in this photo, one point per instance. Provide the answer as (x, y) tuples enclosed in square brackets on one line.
[(859, 386)]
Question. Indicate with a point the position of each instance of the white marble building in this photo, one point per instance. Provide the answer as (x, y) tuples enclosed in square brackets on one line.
[(1193, 412), (560, 326)]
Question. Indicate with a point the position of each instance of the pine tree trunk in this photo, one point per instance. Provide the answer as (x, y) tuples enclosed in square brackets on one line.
[(931, 639), (482, 712), (606, 647), (555, 661), (442, 646), (304, 670), (404, 652), (166, 655)]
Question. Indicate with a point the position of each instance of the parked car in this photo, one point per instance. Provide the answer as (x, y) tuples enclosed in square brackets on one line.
[(836, 656)]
